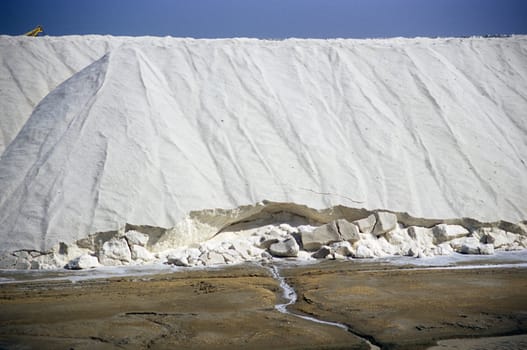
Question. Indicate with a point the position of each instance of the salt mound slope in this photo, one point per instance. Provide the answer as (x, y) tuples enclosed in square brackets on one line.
[(30, 68), (158, 127)]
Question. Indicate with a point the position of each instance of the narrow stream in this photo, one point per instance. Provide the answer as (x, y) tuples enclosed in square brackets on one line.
[(290, 295)]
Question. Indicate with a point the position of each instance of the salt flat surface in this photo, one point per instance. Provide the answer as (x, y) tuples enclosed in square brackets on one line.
[(460, 260), (11, 276), (153, 128), (456, 261)]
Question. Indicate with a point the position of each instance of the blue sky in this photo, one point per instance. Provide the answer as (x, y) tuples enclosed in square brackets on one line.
[(267, 18)]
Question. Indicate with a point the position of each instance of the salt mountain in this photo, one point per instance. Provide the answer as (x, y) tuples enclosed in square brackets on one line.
[(154, 128)]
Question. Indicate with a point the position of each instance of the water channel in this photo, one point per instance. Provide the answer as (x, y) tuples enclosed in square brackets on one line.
[(291, 297)]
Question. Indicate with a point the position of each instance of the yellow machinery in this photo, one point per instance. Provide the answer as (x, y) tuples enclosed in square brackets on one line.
[(35, 32)]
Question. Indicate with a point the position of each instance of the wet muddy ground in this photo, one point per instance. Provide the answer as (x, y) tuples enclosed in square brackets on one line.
[(409, 308), (393, 306)]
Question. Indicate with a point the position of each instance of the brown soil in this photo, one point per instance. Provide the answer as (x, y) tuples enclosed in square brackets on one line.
[(216, 309), (402, 308), (234, 308)]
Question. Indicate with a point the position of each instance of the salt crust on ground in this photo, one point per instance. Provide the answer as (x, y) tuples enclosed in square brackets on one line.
[(154, 128)]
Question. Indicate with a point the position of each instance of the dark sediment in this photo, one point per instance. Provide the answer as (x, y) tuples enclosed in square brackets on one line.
[(395, 307)]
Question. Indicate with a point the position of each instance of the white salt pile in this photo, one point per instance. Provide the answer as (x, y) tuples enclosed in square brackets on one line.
[(154, 131)]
